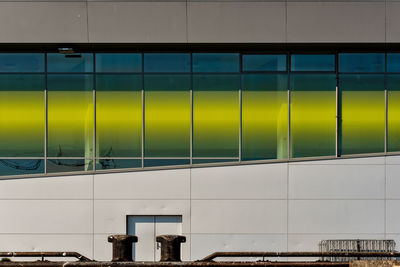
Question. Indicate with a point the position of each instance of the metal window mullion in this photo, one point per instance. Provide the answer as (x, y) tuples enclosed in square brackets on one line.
[(94, 114), (143, 110), (240, 125), (337, 123), (45, 114), (191, 110), (288, 63), (386, 121)]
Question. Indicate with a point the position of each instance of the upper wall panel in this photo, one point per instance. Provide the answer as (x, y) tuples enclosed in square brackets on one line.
[(336, 22), (44, 22), (236, 22), (393, 21), (137, 22)]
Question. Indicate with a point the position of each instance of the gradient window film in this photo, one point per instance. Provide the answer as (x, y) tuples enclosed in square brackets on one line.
[(22, 115), (264, 62), (167, 115), (21, 62), (361, 62), (167, 62), (312, 115), (119, 62), (118, 115), (70, 62), (216, 115), (70, 115), (264, 116), (215, 62), (393, 113), (312, 62), (362, 113)]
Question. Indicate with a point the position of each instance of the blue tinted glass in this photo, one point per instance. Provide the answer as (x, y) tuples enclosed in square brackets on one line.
[(362, 62), (69, 63), (167, 62), (21, 62), (264, 62), (215, 62), (21, 166), (312, 62), (118, 62), (393, 62)]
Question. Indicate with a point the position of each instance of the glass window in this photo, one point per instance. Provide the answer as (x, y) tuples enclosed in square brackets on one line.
[(393, 62), (22, 114), (118, 115), (118, 62), (393, 113), (361, 62), (21, 62), (21, 166), (312, 115), (70, 62), (215, 62), (362, 113), (167, 116), (69, 165), (167, 62), (264, 62), (165, 162), (312, 62), (264, 116), (215, 115), (109, 164), (70, 115)]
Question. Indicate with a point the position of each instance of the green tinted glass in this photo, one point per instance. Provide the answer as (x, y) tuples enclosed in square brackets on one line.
[(393, 113)]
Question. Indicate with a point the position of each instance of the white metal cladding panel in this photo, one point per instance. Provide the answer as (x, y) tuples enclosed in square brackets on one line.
[(392, 21), (62, 187), (236, 21), (393, 216), (336, 216), (141, 22), (205, 244), (46, 216), (239, 216), (393, 181), (336, 181), (110, 215), (264, 181), (41, 22), (164, 184), (341, 21)]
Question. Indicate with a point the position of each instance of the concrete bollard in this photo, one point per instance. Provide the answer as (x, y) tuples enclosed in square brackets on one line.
[(171, 247), (122, 246)]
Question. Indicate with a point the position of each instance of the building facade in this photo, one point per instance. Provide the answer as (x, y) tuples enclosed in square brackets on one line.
[(243, 125)]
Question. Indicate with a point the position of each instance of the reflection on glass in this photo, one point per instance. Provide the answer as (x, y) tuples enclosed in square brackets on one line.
[(393, 113), (264, 116), (22, 115), (165, 162), (215, 62), (69, 165), (167, 116), (69, 62), (21, 62), (167, 62), (215, 115), (264, 62), (118, 115), (362, 62), (312, 115), (118, 62), (21, 166), (362, 113), (312, 62), (70, 115), (109, 164)]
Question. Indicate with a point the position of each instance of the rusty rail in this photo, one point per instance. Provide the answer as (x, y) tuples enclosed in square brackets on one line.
[(300, 254), (46, 254)]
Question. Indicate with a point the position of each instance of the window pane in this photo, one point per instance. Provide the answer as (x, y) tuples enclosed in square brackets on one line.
[(264, 62), (69, 165), (167, 116), (109, 164), (123, 62), (70, 63), (70, 115), (215, 115), (21, 62), (312, 62), (362, 62), (264, 116), (215, 62), (165, 162), (393, 113), (168, 62), (118, 115), (22, 114), (362, 113), (312, 115), (21, 166), (393, 62)]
